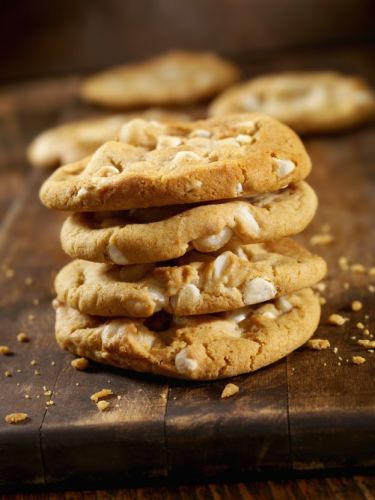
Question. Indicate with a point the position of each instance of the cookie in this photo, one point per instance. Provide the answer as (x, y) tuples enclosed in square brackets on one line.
[(196, 283), (157, 234), (200, 347), (75, 140), (187, 162), (175, 77), (306, 101)]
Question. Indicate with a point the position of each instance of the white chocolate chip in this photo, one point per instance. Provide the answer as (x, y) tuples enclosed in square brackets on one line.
[(168, 141), (202, 133), (220, 263), (193, 184), (183, 363), (229, 141), (248, 220), (270, 315), (238, 315), (144, 338), (139, 132), (239, 188), (81, 193), (107, 171), (258, 290), (284, 167), (183, 156), (116, 255), (243, 139), (189, 294), (283, 305), (213, 242), (158, 297)]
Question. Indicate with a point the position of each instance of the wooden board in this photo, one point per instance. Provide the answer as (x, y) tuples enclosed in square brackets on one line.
[(311, 411)]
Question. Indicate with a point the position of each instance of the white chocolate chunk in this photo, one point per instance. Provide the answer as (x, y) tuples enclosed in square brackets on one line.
[(158, 297), (202, 133), (238, 315), (144, 338), (183, 156), (239, 188), (283, 305), (244, 139), (219, 265), (258, 290), (248, 220), (168, 141), (116, 255), (189, 294), (81, 193), (213, 242), (183, 363), (284, 167), (107, 171)]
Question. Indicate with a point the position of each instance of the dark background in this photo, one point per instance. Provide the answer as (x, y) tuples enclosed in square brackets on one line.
[(47, 38)]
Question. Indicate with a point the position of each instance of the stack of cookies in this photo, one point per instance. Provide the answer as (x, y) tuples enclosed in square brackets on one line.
[(182, 262)]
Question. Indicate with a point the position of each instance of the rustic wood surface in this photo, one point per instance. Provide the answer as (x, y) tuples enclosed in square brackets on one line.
[(311, 411)]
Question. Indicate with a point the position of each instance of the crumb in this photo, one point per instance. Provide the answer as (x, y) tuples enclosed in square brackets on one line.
[(102, 405), (31, 317), (47, 393), (22, 337), (19, 370), (119, 397), (36, 302), (337, 319), (77, 384), (79, 363), (27, 396), (322, 301), (53, 363), (318, 344), (358, 360), (367, 316), (357, 268), (321, 239), (366, 343), (50, 402), (36, 372), (346, 285), (360, 325), (353, 337), (340, 358), (7, 373), (101, 394), (371, 271), (343, 263), (335, 350), (356, 305), (33, 362), (9, 273), (321, 287), (371, 288), (16, 418), (28, 281), (326, 228), (4, 350), (366, 331), (230, 390), (339, 364)]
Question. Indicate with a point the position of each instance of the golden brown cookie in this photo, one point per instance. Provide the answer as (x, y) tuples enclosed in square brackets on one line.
[(156, 164), (74, 140), (156, 234), (200, 347), (175, 77), (306, 101), (197, 283)]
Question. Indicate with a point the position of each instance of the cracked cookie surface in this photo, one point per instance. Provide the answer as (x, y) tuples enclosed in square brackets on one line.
[(156, 163), (156, 234), (197, 348), (175, 77), (306, 101), (197, 283), (75, 140)]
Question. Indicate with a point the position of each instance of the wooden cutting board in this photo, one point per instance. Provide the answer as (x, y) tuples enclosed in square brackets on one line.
[(314, 410)]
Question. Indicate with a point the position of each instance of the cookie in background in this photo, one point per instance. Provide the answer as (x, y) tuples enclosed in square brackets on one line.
[(176, 77), (306, 101)]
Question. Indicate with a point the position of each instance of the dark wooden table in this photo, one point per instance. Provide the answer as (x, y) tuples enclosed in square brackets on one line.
[(313, 411)]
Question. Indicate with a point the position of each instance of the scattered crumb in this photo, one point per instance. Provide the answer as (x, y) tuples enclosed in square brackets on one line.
[(28, 281), (230, 390), (335, 350), (47, 393), (366, 331), (318, 344), (337, 319), (368, 344), (321, 239), (321, 287), (53, 363), (36, 372), (322, 301), (353, 337), (79, 363), (119, 397), (367, 316), (102, 405), (346, 285), (340, 358), (4, 349), (360, 325), (33, 362), (22, 337), (371, 288), (16, 418), (9, 273), (50, 402), (326, 228), (371, 271), (344, 263), (31, 317), (36, 302), (358, 360), (356, 305), (77, 384), (7, 373), (101, 394), (357, 268), (19, 370), (27, 396)]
